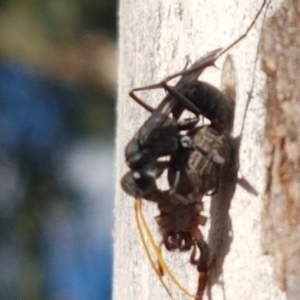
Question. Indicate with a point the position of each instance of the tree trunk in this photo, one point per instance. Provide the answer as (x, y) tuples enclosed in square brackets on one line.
[(155, 38), (281, 212)]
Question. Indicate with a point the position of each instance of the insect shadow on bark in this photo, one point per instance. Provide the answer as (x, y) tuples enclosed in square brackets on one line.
[(221, 235)]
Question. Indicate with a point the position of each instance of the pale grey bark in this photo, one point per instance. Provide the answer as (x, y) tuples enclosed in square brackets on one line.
[(155, 38)]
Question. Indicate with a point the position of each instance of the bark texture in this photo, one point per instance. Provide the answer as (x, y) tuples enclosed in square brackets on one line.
[(154, 39), (281, 213)]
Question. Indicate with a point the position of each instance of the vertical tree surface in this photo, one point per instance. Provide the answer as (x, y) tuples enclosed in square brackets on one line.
[(155, 38), (281, 212)]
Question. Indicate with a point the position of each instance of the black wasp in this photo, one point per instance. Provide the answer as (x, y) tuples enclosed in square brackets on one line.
[(161, 135)]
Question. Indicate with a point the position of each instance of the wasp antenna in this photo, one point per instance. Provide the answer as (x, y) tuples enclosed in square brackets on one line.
[(156, 249), (138, 213)]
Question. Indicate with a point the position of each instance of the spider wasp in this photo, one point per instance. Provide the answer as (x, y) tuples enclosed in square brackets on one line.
[(197, 159)]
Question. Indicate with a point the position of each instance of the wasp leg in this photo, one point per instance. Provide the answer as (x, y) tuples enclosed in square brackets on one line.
[(140, 101), (197, 68)]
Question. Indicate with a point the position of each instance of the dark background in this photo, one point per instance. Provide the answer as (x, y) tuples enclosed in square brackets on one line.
[(57, 99)]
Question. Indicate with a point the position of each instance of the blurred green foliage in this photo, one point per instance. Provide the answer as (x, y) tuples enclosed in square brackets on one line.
[(73, 42)]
